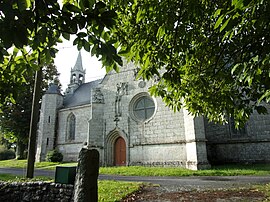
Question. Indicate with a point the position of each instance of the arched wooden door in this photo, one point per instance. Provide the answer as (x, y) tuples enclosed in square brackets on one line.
[(120, 152)]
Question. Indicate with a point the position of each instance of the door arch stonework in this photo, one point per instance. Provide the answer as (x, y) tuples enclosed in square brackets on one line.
[(111, 144)]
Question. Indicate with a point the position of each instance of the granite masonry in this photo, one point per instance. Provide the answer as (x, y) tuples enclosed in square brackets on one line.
[(35, 191), (117, 116)]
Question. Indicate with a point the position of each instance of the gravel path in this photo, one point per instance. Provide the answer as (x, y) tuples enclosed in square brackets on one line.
[(199, 182)]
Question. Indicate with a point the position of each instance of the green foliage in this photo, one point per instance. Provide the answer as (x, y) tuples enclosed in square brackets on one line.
[(6, 154), (54, 156), (30, 31), (4, 142), (211, 57), (15, 117), (2, 147)]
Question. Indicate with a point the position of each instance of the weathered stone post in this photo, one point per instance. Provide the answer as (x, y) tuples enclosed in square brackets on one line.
[(86, 188)]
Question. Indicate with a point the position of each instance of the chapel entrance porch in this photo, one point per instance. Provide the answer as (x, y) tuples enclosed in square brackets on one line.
[(116, 148)]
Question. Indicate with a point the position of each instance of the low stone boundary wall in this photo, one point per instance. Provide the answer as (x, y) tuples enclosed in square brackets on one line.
[(239, 152), (35, 191)]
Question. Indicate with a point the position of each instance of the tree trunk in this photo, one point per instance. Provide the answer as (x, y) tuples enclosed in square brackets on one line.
[(20, 150), (86, 187), (33, 125)]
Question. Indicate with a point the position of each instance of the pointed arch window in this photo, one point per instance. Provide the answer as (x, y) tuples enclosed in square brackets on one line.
[(71, 123)]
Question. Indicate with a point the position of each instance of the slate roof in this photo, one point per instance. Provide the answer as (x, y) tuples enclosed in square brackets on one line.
[(82, 95), (53, 89)]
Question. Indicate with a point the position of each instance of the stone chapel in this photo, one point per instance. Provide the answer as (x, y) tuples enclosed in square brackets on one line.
[(117, 116)]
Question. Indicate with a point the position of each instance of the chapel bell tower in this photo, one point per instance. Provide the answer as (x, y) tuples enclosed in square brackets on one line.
[(77, 75)]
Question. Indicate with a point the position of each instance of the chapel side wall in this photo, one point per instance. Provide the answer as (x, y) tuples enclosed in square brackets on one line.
[(252, 146), (144, 139), (71, 148)]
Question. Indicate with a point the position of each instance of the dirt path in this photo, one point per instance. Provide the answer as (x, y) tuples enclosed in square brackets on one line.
[(202, 189), (161, 194)]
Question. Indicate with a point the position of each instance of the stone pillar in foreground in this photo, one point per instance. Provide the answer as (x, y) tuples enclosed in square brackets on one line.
[(86, 188)]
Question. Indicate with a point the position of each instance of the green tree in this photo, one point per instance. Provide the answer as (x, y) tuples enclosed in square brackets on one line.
[(211, 57), (29, 32), (4, 143), (15, 117)]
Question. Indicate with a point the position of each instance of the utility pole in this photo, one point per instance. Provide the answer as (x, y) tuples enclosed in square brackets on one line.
[(33, 125)]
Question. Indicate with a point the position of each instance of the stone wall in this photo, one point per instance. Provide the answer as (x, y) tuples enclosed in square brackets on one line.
[(227, 145), (159, 140), (239, 152), (71, 148), (35, 191), (159, 155), (162, 139), (164, 127), (47, 124)]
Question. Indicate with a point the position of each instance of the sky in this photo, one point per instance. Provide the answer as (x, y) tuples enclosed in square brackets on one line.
[(66, 59)]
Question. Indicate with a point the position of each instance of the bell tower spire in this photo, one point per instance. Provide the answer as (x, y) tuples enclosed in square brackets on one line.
[(77, 75)]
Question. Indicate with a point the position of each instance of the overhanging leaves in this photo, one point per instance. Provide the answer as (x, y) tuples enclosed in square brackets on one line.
[(210, 55)]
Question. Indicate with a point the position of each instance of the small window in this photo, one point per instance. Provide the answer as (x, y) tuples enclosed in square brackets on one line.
[(80, 77), (142, 108), (73, 79)]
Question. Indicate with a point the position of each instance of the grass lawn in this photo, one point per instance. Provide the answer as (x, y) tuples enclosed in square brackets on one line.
[(107, 190), (13, 163), (18, 178), (224, 170)]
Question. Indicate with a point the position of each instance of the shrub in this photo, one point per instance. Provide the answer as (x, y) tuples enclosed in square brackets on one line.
[(7, 154), (54, 156), (2, 147)]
